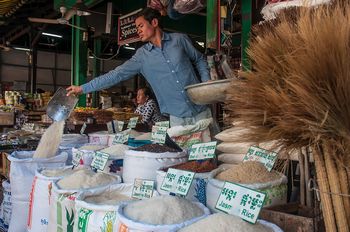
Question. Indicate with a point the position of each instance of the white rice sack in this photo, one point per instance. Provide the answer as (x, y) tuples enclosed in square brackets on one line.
[(219, 222), (231, 147), (228, 158)]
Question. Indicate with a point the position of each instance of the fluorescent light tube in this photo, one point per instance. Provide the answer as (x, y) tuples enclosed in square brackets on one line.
[(52, 35)]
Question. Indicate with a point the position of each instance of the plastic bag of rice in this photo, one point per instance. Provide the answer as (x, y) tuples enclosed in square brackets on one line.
[(163, 213), (235, 148), (219, 222)]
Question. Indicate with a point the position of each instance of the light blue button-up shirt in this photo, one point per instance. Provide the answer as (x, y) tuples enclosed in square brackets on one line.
[(168, 69)]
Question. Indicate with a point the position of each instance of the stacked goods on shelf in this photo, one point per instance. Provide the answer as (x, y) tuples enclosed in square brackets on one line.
[(81, 114), (297, 96), (46, 97), (103, 116), (197, 191), (106, 102), (162, 213)]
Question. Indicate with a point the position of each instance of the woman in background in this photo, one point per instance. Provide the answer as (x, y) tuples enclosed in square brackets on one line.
[(147, 107)]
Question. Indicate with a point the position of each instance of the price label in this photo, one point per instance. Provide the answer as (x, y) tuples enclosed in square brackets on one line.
[(177, 181), (240, 201), (76, 157), (268, 158), (83, 127), (119, 125), (159, 134), (163, 124), (120, 138), (201, 151), (132, 122), (99, 161), (110, 128), (143, 189)]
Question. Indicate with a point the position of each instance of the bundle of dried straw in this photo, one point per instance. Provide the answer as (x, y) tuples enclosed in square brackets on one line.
[(299, 93)]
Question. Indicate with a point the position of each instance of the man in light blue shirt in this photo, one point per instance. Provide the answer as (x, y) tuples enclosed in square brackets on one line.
[(166, 62)]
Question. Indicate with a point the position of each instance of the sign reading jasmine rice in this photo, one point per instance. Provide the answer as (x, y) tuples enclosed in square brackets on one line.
[(240, 201), (143, 189), (268, 158), (177, 181), (99, 161)]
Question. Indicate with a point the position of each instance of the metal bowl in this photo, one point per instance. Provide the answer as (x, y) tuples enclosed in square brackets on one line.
[(208, 92)]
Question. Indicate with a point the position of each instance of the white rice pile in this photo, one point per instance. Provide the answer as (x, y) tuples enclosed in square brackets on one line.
[(107, 198), (117, 150)]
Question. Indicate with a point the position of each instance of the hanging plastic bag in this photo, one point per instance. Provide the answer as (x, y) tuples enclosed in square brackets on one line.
[(189, 6)]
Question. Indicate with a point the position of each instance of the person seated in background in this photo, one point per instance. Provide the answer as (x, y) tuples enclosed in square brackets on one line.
[(147, 107)]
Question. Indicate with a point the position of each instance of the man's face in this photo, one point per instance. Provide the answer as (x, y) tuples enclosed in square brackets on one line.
[(145, 29)]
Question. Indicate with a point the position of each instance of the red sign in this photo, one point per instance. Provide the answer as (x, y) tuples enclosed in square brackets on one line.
[(127, 31)]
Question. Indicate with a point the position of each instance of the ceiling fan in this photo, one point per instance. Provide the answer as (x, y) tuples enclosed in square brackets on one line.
[(78, 9)]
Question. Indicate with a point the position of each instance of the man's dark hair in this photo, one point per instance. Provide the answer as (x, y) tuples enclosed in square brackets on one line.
[(149, 14)]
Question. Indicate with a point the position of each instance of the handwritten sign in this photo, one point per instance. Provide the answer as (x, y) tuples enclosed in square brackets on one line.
[(76, 157), (127, 31), (132, 122), (119, 125), (159, 134), (120, 138), (240, 201), (163, 124), (100, 160), (83, 127), (201, 151), (177, 181), (268, 158), (143, 189)]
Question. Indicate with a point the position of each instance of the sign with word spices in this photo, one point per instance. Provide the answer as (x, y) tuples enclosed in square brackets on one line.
[(240, 201), (132, 122), (143, 189), (120, 138), (127, 31), (83, 127), (268, 158), (76, 157), (100, 160), (177, 181), (118, 125), (159, 134), (201, 151), (163, 124)]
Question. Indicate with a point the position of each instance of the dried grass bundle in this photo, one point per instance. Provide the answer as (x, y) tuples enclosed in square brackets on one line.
[(299, 93)]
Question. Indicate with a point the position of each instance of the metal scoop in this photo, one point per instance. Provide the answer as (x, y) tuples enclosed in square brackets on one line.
[(60, 106)]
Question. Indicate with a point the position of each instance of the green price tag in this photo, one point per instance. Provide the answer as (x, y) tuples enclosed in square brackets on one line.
[(240, 201), (143, 189), (163, 124), (201, 151), (99, 161), (118, 125), (120, 138), (177, 181), (76, 157), (83, 127), (268, 158), (132, 122), (159, 134)]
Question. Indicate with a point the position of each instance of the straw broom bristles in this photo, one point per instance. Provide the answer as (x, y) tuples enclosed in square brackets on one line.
[(299, 90)]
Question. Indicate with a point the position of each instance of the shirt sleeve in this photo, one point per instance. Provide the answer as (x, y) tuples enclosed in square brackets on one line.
[(196, 57), (121, 73)]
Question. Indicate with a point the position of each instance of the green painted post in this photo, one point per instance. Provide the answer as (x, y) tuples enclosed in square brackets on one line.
[(79, 55), (212, 24), (246, 27), (96, 68)]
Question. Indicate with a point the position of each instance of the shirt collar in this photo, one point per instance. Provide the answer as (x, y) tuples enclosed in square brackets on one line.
[(165, 37)]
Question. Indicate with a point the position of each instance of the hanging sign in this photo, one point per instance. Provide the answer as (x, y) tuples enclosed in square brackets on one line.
[(83, 127), (127, 31), (159, 134), (163, 124), (268, 158), (100, 160), (132, 122), (201, 151), (143, 189), (177, 181), (240, 201), (120, 138)]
